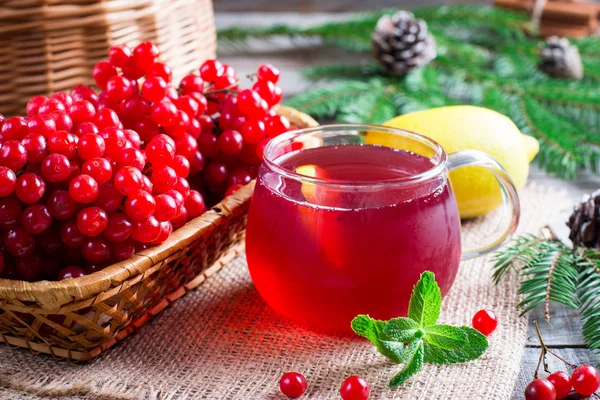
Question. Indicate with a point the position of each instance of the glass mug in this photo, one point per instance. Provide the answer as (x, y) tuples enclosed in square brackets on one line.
[(345, 218)]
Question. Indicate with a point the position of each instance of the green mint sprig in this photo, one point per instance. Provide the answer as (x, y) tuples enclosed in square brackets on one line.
[(417, 340)]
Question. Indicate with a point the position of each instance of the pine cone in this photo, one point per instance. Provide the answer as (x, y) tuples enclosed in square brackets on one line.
[(561, 59), (585, 222), (402, 44)]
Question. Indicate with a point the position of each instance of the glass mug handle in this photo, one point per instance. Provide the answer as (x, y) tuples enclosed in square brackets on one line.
[(510, 198)]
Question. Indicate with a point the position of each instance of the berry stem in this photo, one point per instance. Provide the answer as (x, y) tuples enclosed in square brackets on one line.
[(546, 350)]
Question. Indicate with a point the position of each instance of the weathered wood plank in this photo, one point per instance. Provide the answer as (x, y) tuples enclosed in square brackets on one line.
[(564, 329)]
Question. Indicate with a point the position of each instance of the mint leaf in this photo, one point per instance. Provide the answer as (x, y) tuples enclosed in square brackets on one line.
[(373, 329), (475, 346), (445, 336), (417, 339), (401, 329), (426, 300), (414, 364)]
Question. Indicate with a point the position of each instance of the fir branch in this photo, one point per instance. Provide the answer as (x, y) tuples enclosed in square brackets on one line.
[(588, 292), (555, 273), (342, 72), (552, 275), (523, 250), (329, 100)]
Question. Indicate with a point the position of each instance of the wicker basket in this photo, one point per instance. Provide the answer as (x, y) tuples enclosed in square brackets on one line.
[(79, 318), (52, 45)]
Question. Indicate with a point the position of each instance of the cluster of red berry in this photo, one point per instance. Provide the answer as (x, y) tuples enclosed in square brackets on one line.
[(293, 385), (584, 380), (87, 179)]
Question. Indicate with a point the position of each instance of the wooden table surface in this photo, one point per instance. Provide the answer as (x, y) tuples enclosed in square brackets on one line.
[(564, 336)]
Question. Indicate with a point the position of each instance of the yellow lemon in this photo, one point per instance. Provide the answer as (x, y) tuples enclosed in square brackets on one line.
[(477, 128)]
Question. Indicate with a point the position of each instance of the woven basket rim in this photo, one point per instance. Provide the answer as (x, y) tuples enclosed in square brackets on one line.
[(59, 293)]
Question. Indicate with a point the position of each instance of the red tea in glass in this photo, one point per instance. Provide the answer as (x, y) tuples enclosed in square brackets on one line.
[(340, 226)]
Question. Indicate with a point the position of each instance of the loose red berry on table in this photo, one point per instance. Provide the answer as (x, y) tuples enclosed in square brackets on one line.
[(293, 384), (585, 380), (355, 388), (540, 389), (562, 383), (485, 321)]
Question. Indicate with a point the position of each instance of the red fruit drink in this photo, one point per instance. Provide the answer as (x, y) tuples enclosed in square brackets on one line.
[(353, 242)]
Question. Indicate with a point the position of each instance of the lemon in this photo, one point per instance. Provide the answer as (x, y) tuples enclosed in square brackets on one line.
[(469, 127)]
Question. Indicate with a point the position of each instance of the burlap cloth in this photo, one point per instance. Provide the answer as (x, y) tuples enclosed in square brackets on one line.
[(223, 342)]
